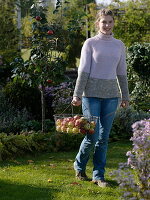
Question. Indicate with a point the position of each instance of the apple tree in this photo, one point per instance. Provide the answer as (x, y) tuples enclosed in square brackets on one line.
[(45, 65)]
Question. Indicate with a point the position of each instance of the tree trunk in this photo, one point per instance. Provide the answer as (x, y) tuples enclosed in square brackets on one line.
[(0, 157), (43, 107)]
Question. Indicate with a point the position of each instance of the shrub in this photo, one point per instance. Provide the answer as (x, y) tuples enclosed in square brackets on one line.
[(62, 97), (33, 125), (124, 118), (11, 119), (138, 74), (31, 142), (139, 59), (134, 176), (21, 96)]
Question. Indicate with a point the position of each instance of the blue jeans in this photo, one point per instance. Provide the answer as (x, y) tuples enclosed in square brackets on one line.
[(104, 109)]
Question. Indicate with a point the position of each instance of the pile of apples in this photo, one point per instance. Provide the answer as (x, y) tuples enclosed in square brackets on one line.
[(76, 124)]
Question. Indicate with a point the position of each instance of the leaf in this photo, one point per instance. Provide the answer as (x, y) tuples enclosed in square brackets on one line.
[(16, 162), (51, 157), (30, 161), (69, 160), (52, 165), (75, 183), (50, 180)]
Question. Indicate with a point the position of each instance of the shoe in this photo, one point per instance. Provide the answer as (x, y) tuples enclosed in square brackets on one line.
[(81, 176), (101, 183)]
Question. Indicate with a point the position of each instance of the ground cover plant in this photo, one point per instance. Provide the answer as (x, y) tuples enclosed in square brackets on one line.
[(51, 176)]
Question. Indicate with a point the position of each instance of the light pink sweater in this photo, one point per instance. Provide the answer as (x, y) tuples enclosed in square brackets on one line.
[(102, 71)]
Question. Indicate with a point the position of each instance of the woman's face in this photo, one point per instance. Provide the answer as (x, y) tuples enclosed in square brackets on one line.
[(106, 25)]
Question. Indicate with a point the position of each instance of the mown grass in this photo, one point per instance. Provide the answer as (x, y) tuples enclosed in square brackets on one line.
[(51, 176)]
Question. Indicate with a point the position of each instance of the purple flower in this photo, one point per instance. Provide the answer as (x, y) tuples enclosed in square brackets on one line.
[(134, 180)]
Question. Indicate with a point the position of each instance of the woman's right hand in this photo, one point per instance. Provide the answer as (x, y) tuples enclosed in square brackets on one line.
[(76, 101)]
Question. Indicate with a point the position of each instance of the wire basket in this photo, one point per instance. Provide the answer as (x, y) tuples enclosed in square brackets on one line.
[(73, 123)]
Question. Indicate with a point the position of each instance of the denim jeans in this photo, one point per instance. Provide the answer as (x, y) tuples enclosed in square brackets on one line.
[(105, 110)]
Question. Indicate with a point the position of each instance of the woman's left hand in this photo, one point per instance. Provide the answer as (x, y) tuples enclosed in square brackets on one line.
[(124, 104)]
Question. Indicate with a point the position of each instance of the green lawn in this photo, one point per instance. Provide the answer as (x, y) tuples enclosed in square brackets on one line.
[(27, 178)]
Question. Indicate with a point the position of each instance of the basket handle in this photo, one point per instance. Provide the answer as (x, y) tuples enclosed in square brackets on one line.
[(67, 108)]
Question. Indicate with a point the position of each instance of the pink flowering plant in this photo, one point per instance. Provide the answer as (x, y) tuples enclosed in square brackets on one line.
[(134, 176)]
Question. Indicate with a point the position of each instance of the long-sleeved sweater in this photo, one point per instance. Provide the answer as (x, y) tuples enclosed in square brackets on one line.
[(102, 71)]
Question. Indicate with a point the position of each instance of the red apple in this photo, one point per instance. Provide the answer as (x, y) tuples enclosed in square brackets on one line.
[(83, 131), (64, 123), (91, 131), (77, 123), (38, 18), (76, 117), (50, 32), (49, 81)]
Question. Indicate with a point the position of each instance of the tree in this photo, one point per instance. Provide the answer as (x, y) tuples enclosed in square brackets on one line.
[(45, 65), (8, 38), (132, 21)]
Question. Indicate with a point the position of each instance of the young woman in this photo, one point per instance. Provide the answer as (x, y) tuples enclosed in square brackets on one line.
[(101, 83)]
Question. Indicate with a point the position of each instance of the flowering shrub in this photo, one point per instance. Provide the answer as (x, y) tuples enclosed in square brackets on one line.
[(134, 176), (62, 96)]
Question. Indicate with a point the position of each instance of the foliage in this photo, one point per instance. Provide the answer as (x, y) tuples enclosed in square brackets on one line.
[(61, 96), (123, 121), (46, 65), (34, 125), (139, 69), (11, 119), (21, 95), (139, 59), (8, 39), (133, 176), (131, 21), (72, 16), (30, 142)]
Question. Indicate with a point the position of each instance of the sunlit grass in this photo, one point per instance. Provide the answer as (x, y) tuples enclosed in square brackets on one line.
[(51, 176)]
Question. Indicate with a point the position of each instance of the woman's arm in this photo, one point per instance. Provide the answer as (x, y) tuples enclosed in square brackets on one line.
[(122, 78)]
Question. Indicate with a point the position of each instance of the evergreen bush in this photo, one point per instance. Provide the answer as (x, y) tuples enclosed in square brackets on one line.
[(123, 121), (139, 69)]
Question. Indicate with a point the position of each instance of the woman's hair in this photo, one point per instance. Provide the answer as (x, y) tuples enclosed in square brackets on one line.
[(101, 13)]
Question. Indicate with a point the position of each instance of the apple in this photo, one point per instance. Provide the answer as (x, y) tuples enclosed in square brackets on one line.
[(58, 128), (58, 122), (83, 131), (71, 124), (92, 124), (38, 18), (75, 130), (91, 131), (49, 81), (69, 119), (76, 117), (77, 123), (63, 129), (64, 123), (69, 130), (87, 126), (50, 32)]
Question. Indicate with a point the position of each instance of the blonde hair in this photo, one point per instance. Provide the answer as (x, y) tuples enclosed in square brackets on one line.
[(101, 13)]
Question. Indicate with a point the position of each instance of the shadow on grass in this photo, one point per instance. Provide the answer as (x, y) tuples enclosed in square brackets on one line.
[(13, 191)]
